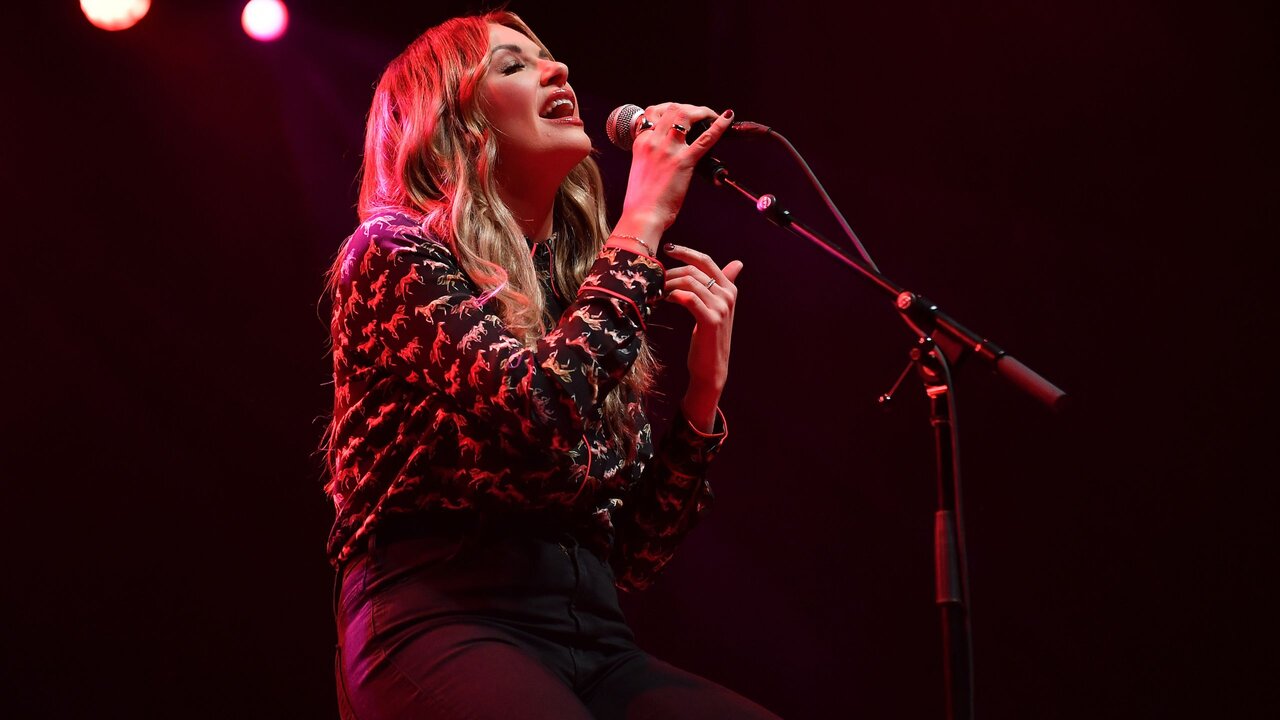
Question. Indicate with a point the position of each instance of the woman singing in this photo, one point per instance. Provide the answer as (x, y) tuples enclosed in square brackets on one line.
[(491, 463)]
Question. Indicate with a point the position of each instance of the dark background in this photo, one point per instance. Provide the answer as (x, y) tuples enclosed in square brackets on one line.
[(1090, 184)]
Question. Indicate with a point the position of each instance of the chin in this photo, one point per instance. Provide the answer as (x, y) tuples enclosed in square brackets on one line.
[(584, 149), (548, 158), (575, 152)]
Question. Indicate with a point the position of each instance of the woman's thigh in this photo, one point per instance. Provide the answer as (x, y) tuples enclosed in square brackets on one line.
[(458, 671), (644, 687)]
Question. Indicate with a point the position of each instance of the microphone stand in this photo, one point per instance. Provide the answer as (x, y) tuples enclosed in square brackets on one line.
[(943, 344)]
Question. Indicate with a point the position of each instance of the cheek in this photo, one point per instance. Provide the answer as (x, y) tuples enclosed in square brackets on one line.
[(507, 107)]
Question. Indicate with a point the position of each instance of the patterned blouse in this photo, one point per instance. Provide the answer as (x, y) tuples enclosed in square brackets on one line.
[(439, 407)]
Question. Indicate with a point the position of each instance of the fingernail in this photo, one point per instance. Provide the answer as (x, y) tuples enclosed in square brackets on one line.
[(728, 114), (669, 247)]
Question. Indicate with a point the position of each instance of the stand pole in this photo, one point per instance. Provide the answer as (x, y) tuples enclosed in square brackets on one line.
[(950, 560)]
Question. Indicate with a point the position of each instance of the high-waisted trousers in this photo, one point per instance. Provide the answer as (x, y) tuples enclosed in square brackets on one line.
[(518, 626)]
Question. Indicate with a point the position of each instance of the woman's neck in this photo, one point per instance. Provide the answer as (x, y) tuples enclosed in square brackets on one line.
[(532, 206)]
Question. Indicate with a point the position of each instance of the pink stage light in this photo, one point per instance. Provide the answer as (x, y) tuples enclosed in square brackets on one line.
[(264, 20), (114, 14)]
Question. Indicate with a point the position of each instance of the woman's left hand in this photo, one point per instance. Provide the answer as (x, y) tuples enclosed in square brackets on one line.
[(709, 294)]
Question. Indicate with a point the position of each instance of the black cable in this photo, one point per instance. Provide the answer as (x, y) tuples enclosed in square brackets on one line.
[(822, 192)]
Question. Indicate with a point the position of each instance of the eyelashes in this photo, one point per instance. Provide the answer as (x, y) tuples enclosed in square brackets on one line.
[(513, 68)]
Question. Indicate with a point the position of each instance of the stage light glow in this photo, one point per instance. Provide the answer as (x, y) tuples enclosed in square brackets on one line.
[(264, 20), (114, 14)]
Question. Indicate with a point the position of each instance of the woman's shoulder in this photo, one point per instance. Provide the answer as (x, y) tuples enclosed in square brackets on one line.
[(393, 232), (394, 229), (373, 247)]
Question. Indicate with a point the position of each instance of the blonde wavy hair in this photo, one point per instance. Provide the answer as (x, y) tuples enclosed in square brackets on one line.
[(430, 153)]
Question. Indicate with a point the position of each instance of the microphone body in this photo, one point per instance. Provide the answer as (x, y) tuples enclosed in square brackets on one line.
[(625, 121)]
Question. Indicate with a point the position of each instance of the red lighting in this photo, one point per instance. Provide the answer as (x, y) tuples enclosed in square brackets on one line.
[(264, 20), (115, 14)]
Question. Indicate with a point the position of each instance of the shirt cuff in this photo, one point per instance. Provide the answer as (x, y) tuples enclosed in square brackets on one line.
[(695, 446), (719, 427), (634, 279)]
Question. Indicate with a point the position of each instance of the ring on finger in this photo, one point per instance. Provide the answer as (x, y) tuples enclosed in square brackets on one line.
[(679, 128), (712, 282), (645, 124)]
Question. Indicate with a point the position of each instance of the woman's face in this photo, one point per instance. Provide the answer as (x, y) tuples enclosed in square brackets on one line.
[(528, 101)]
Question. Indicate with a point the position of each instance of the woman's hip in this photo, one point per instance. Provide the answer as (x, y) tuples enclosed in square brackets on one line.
[(548, 586)]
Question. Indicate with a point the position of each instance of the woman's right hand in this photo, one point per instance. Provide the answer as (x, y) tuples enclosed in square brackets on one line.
[(662, 165)]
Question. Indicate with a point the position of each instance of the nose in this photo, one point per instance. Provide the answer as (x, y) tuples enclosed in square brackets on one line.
[(554, 73)]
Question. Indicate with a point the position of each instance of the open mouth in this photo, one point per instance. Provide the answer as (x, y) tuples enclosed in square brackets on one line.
[(560, 106)]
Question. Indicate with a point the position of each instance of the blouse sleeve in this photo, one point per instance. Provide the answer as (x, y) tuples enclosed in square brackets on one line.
[(409, 307), (671, 497)]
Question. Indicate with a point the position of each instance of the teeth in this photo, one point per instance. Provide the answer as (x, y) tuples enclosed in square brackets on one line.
[(555, 104)]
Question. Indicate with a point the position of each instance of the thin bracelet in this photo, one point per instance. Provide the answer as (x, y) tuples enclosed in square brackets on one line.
[(643, 244)]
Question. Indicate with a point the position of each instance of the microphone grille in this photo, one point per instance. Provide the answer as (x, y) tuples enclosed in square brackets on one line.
[(621, 124)]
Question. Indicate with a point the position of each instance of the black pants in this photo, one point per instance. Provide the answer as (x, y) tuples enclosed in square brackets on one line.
[(511, 627)]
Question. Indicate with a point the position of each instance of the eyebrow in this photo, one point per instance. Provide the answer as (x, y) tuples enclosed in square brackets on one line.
[(518, 50)]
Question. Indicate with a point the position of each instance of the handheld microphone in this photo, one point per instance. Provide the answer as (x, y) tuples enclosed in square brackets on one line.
[(625, 121)]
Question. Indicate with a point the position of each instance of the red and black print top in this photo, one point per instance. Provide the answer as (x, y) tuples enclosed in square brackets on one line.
[(439, 407)]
